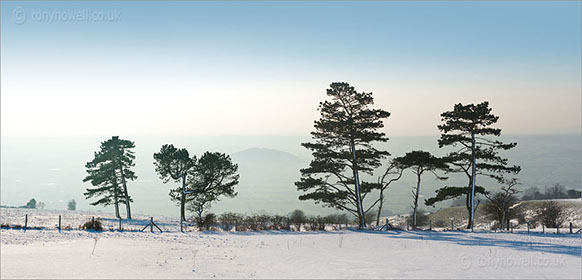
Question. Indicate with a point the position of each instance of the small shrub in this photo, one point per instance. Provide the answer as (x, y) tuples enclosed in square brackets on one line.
[(421, 218), (93, 224), (551, 214), (298, 218), (440, 223)]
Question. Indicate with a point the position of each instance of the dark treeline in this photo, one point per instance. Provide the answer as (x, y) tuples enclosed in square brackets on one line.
[(556, 191)]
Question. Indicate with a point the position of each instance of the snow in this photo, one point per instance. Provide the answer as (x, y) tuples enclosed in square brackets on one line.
[(281, 254)]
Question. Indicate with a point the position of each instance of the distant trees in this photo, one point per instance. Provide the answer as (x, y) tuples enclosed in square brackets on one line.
[(30, 204), (72, 205), (556, 191), (109, 172), (467, 128), (214, 175), (420, 162), (175, 164), (342, 149)]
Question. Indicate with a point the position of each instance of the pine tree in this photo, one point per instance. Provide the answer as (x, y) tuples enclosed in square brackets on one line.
[(109, 171), (420, 162), (342, 149), (213, 176), (468, 129), (174, 164)]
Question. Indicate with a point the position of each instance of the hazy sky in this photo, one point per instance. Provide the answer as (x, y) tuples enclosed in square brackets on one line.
[(224, 68)]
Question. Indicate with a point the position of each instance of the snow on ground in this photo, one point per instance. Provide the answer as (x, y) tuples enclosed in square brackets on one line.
[(280, 254)]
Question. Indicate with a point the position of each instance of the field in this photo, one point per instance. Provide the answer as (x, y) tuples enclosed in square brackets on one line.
[(280, 254)]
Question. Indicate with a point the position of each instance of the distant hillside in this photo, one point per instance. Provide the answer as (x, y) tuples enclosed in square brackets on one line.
[(266, 158), (460, 216)]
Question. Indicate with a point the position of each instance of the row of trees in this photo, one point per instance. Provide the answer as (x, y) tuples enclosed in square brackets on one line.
[(343, 150), (203, 180)]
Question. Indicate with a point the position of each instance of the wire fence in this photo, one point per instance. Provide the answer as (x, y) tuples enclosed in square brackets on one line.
[(96, 223)]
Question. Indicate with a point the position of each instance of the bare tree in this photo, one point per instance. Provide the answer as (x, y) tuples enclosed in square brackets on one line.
[(392, 174), (502, 205)]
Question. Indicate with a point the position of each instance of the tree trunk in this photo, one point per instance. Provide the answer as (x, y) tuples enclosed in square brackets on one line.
[(473, 175), (116, 200), (115, 197), (468, 202), (381, 202), (183, 199), (416, 199), (358, 194), (127, 206)]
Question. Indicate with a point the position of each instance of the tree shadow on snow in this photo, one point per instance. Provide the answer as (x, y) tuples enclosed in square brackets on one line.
[(479, 239)]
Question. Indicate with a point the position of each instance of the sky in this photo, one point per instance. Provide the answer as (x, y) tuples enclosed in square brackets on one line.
[(261, 68)]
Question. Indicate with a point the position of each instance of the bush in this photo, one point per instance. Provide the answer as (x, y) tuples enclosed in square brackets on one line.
[(440, 223), (421, 218), (93, 224), (298, 218), (230, 220), (72, 205), (551, 214), (207, 221)]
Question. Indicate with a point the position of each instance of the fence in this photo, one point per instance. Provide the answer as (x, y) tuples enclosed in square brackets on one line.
[(238, 226)]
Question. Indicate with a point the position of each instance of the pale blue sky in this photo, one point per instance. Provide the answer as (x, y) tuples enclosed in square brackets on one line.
[(199, 68)]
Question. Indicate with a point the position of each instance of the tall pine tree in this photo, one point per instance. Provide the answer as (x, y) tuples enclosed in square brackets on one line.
[(174, 164), (109, 171), (342, 150), (468, 129)]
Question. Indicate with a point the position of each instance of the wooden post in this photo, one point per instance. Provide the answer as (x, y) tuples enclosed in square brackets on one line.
[(510, 227), (152, 224), (558, 229), (25, 221), (93, 221), (527, 227), (387, 225), (570, 228), (543, 228), (429, 224), (59, 223), (407, 226), (452, 225), (119, 223)]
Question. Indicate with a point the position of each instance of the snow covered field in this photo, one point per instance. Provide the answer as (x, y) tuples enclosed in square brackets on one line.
[(280, 254)]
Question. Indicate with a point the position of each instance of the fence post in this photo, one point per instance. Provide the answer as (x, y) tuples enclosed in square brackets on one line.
[(570, 228), (152, 224), (93, 221), (558, 229), (543, 228), (527, 227), (452, 225), (25, 221), (510, 227), (59, 223), (119, 223), (387, 225), (429, 224)]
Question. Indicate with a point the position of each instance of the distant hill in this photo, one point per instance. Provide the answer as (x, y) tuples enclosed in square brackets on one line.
[(266, 158)]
